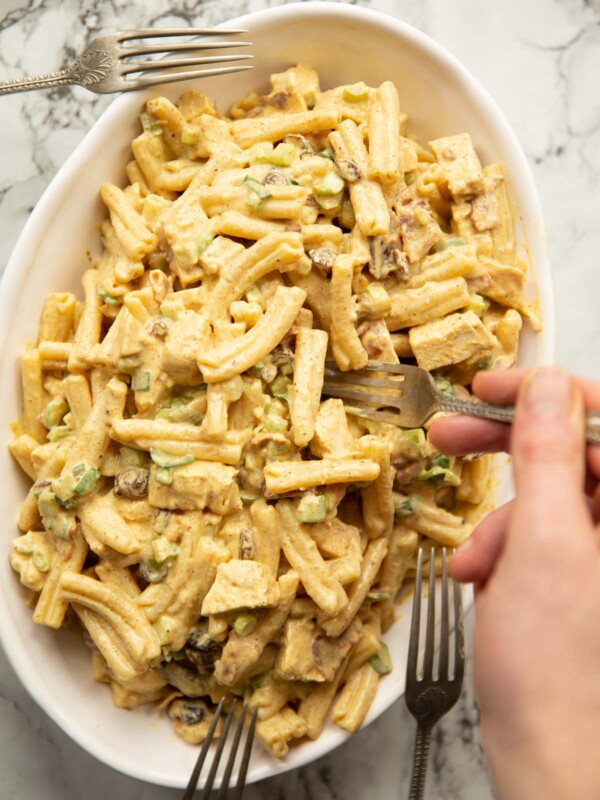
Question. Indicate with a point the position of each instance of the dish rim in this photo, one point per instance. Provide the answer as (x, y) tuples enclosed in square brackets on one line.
[(41, 218)]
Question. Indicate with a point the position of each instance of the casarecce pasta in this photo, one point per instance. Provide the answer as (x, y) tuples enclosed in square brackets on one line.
[(216, 527)]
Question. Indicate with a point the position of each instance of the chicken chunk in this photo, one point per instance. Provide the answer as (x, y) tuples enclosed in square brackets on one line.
[(450, 340), (241, 584)]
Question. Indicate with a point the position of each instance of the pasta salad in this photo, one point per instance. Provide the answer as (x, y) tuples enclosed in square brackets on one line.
[(215, 526)]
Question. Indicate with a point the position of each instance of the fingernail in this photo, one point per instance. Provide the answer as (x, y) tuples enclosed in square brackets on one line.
[(549, 392), (464, 546)]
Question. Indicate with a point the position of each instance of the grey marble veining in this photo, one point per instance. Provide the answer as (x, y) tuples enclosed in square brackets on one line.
[(540, 59)]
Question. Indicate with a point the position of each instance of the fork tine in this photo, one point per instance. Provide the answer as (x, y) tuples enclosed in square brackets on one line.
[(158, 33), (146, 66), (217, 757), (380, 416), (175, 47), (415, 623), (376, 366), (193, 781), (241, 780), (144, 83), (459, 635), (363, 397), (232, 755), (445, 629), (356, 379), (430, 630)]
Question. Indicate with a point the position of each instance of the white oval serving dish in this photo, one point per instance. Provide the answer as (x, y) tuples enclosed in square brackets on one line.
[(346, 44)]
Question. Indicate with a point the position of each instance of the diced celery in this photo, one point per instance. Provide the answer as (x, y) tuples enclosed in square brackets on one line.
[(127, 365), (141, 381), (167, 461), (443, 385), (262, 153), (283, 155), (382, 662), (287, 368), (275, 424), (189, 135), (331, 499), (79, 469), (356, 92), (478, 304), (64, 486), (253, 295), (280, 387), (186, 253), (58, 432), (244, 624), (54, 412), (164, 549), (329, 185), (164, 475), (312, 508), (202, 242)]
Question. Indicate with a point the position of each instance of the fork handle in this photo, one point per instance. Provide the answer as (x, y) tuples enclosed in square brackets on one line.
[(61, 78), (458, 405), (421, 759)]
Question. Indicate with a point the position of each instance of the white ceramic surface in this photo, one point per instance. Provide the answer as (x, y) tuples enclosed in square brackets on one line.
[(346, 44)]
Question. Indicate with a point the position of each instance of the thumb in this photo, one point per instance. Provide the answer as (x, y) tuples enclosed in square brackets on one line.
[(548, 449)]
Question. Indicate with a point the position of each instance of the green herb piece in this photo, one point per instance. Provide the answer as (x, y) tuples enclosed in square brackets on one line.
[(87, 482), (327, 153), (78, 469), (377, 596), (406, 507), (141, 381), (485, 363), (441, 460), (356, 92), (109, 300), (54, 412), (312, 508), (382, 662), (244, 624), (260, 192), (58, 432), (439, 475)]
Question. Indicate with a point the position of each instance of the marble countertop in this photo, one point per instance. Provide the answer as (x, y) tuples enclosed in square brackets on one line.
[(540, 60)]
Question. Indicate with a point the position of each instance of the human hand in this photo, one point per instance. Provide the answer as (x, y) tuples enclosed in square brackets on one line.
[(535, 564)]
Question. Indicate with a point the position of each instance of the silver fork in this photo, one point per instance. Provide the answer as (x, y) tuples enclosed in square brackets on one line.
[(238, 789), (428, 698), (410, 397), (106, 63)]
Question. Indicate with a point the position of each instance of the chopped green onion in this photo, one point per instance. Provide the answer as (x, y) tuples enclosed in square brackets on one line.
[(312, 508), (244, 624), (294, 182), (283, 155), (382, 662), (377, 596), (141, 381), (356, 92), (164, 475), (257, 189), (453, 241), (54, 412), (441, 460), (327, 153), (439, 475), (87, 483), (108, 299), (42, 560), (168, 461), (485, 363), (78, 469)]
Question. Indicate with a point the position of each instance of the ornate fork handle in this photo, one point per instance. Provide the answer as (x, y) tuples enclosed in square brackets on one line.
[(417, 784), (61, 78), (91, 67), (458, 405)]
